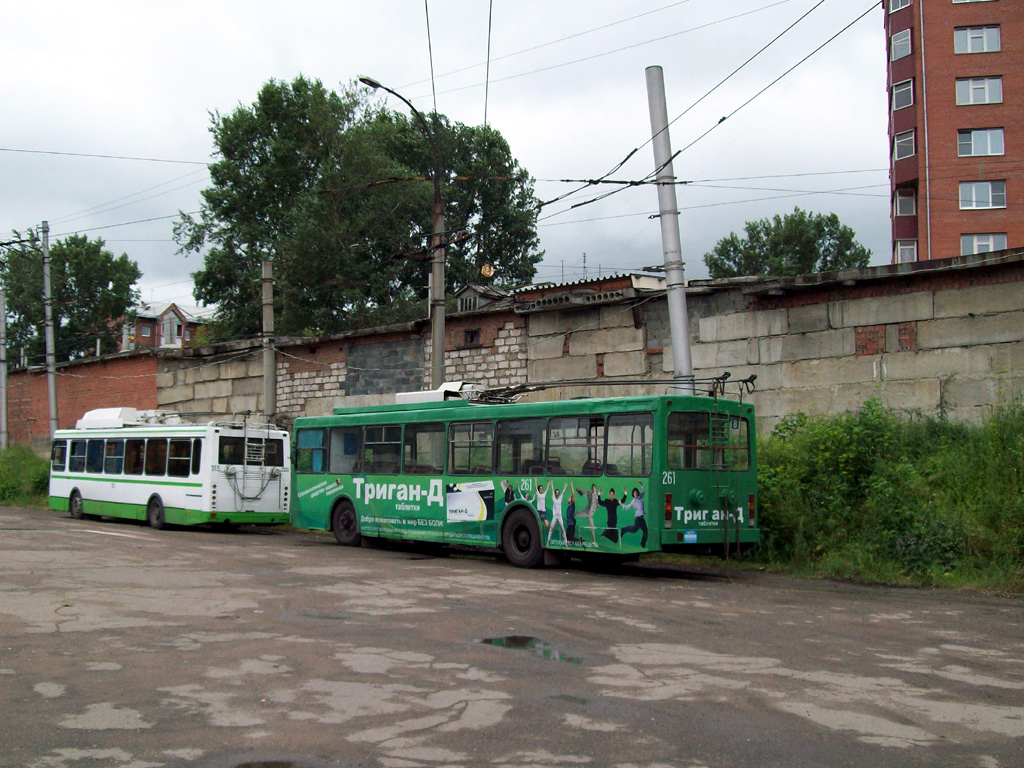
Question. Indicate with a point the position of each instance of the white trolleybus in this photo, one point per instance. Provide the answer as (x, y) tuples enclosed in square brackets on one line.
[(146, 465)]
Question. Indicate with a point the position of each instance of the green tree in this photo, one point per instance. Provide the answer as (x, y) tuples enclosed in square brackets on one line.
[(337, 191), (93, 291), (796, 244)]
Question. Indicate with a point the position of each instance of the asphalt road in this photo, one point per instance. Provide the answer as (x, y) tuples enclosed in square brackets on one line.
[(123, 646)]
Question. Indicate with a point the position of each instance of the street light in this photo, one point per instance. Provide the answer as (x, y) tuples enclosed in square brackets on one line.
[(436, 245)]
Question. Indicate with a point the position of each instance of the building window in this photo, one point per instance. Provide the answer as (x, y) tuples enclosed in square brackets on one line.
[(899, 45), (467, 303), (980, 142), (906, 202), (971, 244), (471, 338), (147, 331), (906, 251), (971, 1), (903, 95), (976, 39), (979, 90), (903, 145), (982, 194), (896, 5)]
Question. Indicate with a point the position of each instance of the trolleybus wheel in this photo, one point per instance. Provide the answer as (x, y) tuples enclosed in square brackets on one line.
[(520, 538), (155, 513), (345, 525), (75, 506)]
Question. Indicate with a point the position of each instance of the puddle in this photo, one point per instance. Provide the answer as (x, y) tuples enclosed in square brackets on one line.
[(534, 645)]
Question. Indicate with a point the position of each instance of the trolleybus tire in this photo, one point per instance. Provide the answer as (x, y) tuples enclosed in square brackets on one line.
[(75, 506), (345, 525), (155, 513), (521, 541)]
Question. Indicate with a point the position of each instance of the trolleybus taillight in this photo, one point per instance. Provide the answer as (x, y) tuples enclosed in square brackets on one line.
[(668, 510), (751, 509)]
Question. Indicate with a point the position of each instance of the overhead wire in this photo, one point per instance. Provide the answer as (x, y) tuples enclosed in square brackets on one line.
[(730, 114)]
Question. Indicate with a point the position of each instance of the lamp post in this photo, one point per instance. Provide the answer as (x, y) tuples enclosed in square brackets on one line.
[(436, 245)]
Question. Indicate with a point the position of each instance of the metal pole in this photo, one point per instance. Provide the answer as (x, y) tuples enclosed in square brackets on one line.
[(51, 365), (3, 369), (437, 318), (269, 354), (675, 281)]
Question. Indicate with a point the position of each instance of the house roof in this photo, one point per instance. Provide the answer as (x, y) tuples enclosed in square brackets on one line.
[(156, 310)]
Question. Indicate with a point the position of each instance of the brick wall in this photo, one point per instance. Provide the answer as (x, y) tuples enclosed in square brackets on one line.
[(125, 380), (486, 348)]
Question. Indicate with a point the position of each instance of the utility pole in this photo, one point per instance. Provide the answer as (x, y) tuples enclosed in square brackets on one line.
[(51, 365), (269, 353), (3, 369), (675, 281)]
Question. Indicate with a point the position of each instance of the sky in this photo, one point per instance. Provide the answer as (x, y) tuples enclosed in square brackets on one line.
[(108, 110)]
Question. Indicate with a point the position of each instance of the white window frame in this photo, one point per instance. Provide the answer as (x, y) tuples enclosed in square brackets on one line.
[(967, 40), (905, 251), (972, 86), (994, 197), (901, 88), (905, 203), (980, 142), (985, 242), (903, 44), (899, 5), (971, 1), (904, 145), (147, 330)]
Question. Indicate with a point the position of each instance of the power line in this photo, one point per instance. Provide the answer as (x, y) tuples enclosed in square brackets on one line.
[(545, 45), (101, 157), (619, 50)]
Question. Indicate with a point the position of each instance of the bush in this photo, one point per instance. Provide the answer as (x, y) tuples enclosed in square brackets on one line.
[(24, 477), (869, 495)]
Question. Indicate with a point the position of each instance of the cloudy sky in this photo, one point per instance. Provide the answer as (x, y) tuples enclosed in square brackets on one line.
[(107, 116)]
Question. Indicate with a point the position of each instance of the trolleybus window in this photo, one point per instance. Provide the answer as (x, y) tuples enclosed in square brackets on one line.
[(94, 456), (134, 456), (156, 456), (344, 452), (197, 455), (113, 463), (310, 450), (179, 458), (630, 444), (520, 448), (575, 445), (698, 441), (470, 448), (58, 455), (382, 450), (77, 463), (424, 449)]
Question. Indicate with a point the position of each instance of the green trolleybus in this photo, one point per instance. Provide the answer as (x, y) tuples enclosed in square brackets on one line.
[(618, 476), (115, 464)]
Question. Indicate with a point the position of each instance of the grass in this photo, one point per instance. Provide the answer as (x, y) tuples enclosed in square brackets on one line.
[(869, 496)]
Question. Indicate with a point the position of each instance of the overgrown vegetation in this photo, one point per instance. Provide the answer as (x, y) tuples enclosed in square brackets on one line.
[(24, 477), (871, 496)]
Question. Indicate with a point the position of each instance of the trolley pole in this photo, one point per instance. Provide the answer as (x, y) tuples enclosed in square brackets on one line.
[(675, 282), (51, 365)]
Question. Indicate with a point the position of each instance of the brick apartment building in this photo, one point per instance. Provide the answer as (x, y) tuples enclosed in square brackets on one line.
[(956, 126)]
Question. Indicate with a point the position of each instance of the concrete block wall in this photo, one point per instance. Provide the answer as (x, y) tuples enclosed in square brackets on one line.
[(212, 382), (498, 357), (950, 343)]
